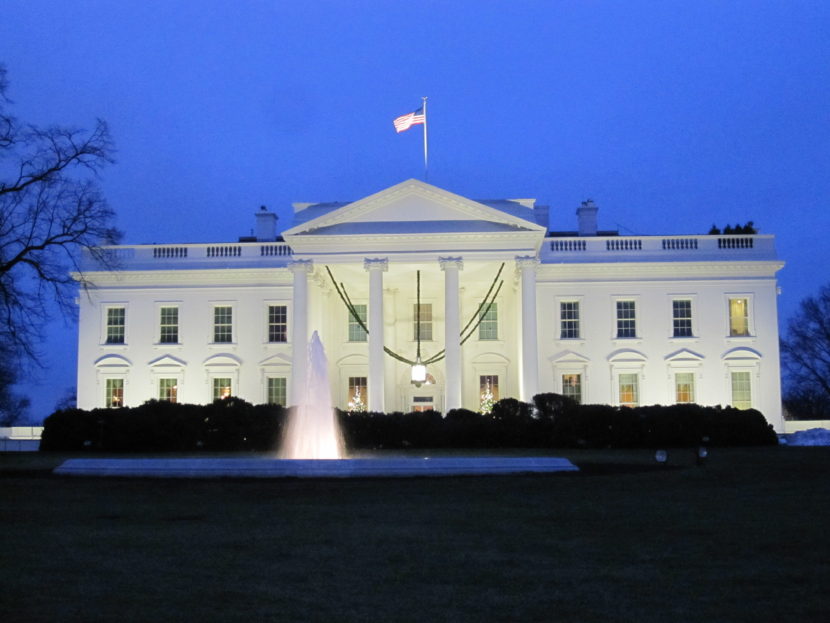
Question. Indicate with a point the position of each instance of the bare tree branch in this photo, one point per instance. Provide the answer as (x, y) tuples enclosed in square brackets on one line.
[(51, 211)]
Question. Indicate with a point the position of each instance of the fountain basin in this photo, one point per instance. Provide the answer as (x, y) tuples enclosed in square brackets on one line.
[(314, 468)]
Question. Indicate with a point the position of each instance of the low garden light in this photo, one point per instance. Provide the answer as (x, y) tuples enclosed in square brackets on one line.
[(662, 457)]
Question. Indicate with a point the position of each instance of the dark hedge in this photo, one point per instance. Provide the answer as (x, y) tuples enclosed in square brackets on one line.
[(552, 421)]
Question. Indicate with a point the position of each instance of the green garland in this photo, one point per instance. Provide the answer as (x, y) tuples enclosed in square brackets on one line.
[(476, 318)]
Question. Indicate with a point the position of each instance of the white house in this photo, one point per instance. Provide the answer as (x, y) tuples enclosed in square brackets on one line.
[(505, 307)]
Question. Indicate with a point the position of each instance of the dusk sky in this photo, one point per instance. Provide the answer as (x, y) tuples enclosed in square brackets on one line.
[(673, 116)]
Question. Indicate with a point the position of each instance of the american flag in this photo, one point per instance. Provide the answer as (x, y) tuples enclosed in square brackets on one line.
[(404, 122)]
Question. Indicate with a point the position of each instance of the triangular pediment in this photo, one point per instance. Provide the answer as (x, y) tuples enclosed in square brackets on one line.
[(412, 207)]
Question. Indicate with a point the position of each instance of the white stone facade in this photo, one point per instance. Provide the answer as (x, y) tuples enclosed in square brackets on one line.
[(606, 318)]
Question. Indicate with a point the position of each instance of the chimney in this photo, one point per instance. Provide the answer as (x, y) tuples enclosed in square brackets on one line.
[(586, 214), (266, 225)]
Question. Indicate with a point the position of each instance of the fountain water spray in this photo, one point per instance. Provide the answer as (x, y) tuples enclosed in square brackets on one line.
[(312, 431)]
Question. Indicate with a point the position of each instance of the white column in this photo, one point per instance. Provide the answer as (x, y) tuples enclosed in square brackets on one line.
[(530, 364), (299, 328), (452, 330), (376, 268)]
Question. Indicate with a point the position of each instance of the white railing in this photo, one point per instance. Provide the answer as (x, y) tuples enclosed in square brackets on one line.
[(668, 248), (144, 256)]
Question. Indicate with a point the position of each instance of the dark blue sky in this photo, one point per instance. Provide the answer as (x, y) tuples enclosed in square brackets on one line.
[(671, 115)]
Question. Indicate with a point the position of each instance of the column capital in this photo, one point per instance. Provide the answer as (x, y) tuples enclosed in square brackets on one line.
[(381, 264), (301, 266), (451, 262), (527, 261)]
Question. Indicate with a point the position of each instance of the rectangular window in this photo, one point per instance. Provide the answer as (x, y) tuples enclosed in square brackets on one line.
[(626, 319), (116, 322), (168, 390), (223, 324), (489, 384), (425, 321), (422, 403), (741, 390), (629, 390), (682, 318), (277, 324), (169, 325), (572, 386), (115, 393), (684, 387), (357, 393), (276, 390), (488, 329), (569, 320), (356, 332), (221, 388), (739, 316)]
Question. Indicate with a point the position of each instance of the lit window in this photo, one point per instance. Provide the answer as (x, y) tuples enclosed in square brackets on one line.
[(169, 325), (684, 387), (489, 384), (357, 393), (425, 321), (629, 390), (276, 390), (569, 320), (682, 318), (356, 332), (221, 388), (223, 324), (277, 323), (741, 390), (115, 393), (168, 390), (739, 316), (626, 319), (572, 386), (422, 403), (489, 327), (116, 320)]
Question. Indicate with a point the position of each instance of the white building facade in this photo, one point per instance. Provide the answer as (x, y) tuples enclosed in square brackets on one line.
[(494, 303)]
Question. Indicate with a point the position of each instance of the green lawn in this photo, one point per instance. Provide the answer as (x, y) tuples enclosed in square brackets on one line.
[(743, 538)]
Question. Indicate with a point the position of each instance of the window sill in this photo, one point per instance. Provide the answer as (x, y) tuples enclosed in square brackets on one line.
[(740, 338), (627, 340), (170, 345), (684, 340), (222, 345), (121, 346), (571, 340)]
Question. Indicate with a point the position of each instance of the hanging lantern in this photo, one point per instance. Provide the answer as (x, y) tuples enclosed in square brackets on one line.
[(419, 372)]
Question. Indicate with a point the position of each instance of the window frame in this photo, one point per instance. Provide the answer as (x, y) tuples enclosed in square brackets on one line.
[(109, 383), (268, 395), (161, 307), (581, 385), (214, 386), (618, 319), (675, 319), (214, 325), (489, 322), (105, 324), (160, 381), (749, 315), (355, 334), (428, 334), (269, 324)]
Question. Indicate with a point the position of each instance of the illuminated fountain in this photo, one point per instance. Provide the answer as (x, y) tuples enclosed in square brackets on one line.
[(312, 431)]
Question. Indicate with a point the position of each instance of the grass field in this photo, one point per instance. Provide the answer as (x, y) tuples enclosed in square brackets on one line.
[(743, 538)]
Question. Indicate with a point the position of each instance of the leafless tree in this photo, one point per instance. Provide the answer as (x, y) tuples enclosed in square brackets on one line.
[(51, 208), (806, 355)]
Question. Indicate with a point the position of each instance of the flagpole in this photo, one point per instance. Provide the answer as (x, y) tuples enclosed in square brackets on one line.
[(426, 151)]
